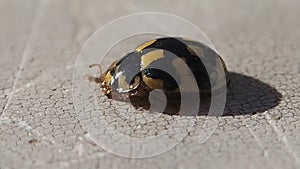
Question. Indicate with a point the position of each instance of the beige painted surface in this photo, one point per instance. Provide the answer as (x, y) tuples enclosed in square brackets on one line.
[(40, 41)]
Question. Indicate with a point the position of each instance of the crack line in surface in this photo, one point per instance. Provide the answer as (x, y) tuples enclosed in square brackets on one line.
[(20, 69), (259, 142), (22, 63), (266, 154), (283, 138)]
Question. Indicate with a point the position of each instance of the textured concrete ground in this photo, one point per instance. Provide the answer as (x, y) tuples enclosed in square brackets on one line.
[(39, 44)]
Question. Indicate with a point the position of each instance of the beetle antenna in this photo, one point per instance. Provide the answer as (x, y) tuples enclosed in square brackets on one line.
[(92, 78), (100, 68)]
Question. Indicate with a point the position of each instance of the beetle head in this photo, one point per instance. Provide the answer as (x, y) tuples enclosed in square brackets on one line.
[(104, 79)]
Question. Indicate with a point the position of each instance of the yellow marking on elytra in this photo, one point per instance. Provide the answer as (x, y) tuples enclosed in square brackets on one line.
[(153, 83), (149, 57), (195, 50), (183, 39), (144, 45)]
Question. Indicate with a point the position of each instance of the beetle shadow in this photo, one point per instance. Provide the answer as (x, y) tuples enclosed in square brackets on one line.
[(247, 96)]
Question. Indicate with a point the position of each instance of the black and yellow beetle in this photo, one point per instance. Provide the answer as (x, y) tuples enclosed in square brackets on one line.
[(133, 75)]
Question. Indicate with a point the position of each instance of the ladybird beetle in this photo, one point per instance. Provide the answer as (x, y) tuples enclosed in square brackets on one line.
[(132, 76)]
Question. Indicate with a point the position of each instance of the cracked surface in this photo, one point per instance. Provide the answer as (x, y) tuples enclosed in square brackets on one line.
[(39, 127)]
